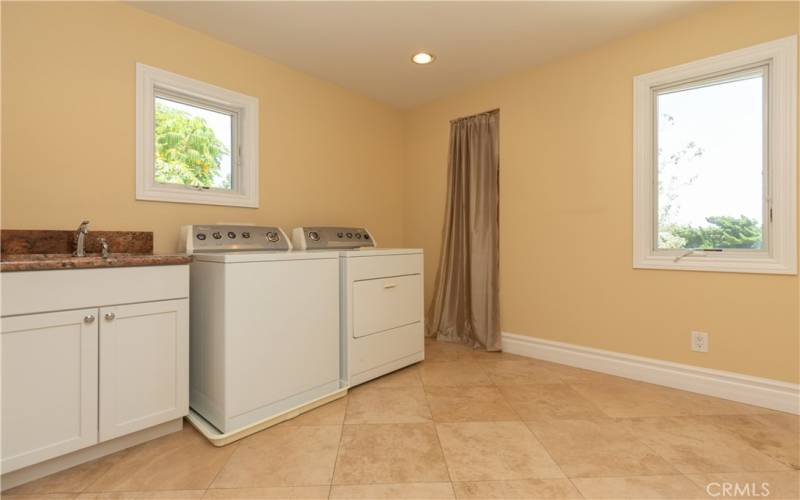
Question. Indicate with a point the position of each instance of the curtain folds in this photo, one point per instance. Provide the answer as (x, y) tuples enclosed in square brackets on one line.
[(466, 305)]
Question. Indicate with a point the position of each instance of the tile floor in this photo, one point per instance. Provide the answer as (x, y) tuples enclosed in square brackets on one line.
[(468, 424)]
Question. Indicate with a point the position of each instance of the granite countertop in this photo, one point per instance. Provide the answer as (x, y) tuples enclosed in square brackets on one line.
[(47, 261), (39, 250)]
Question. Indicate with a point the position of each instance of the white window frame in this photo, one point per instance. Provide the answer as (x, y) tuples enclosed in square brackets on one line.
[(780, 224), (153, 82)]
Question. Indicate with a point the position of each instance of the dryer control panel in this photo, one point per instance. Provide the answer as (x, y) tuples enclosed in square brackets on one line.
[(331, 238), (232, 238)]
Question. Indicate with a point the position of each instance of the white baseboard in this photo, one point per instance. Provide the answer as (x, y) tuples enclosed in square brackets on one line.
[(768, 393)]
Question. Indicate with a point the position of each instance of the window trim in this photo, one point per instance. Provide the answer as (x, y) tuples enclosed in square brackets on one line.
[(152, 82), (780, 256)]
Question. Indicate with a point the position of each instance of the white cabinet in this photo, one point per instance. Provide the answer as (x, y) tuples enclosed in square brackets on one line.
[(49, 383), (84, 375), (144, 365)]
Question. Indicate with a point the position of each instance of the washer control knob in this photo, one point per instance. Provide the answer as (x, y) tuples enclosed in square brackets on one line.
[(217, 235), (313, 235), (201, 236), (339, 234), (358, 236), (273, 236), (366, 236), (349, 235), (231, 235), (245, 235)]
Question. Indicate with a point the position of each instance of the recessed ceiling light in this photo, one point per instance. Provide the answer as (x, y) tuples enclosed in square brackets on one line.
[(423, 58)]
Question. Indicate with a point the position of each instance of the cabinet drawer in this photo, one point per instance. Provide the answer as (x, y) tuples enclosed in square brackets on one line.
[(385, 303)]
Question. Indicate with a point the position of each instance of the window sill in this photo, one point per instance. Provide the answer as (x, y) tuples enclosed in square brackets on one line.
[(729, 264), (196, 196)]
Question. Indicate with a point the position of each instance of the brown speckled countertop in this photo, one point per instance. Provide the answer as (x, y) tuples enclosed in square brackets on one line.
[(48, 261), (39, 250)]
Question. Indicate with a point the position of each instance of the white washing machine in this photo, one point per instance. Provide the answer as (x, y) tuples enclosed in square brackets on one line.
[(264, 328), (382, 310)]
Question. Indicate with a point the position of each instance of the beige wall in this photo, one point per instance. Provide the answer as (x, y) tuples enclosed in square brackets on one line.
[(327, 155), (331, 156), (566, 198)]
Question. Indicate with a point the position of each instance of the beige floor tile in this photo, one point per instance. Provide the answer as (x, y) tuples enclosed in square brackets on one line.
[(484, 451), (144, 495), (573, 375), (628, 398), (548, 400), (387, 405), (468, 404), (275, 493), (436, 352), (522, 489), (696, 445), (676, 487), (389, 453), (283, 456), (773, 485), (184, 460), (409, 491), (522, 372), (597, 447), (776, 435), (404, 377), (454, 373), (42, 496), (328, 414), (483, 355), (72, 480)]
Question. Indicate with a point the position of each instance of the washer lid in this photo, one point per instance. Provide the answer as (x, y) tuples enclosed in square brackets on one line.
[(372, 252), (266, 256)]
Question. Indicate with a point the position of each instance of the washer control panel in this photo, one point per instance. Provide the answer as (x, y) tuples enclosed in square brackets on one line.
[(330, 237), (230, 238)]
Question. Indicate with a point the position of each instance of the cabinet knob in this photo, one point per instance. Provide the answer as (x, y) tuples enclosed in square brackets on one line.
[(110, 316), (89, 318)]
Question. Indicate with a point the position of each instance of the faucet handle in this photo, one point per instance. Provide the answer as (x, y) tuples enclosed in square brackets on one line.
[(103, 247)]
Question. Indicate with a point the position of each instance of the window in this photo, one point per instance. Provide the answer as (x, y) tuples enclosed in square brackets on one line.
[(196, 143), (715, 163)]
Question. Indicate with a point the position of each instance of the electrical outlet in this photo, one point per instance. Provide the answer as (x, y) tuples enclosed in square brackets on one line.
[(699, 341)]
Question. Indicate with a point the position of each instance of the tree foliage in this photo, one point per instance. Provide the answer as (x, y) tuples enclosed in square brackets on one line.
[(187, 150), (678, 170), (723, 232)]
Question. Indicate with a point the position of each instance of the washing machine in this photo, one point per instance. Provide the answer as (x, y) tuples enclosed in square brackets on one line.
[(264, 329), (381, 297)]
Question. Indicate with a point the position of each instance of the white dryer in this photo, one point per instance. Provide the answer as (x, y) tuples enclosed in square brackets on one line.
[(382, 310), (264, 328)]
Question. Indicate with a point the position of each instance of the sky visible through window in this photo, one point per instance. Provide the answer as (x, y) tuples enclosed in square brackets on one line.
[(220, 124), (710, 160)]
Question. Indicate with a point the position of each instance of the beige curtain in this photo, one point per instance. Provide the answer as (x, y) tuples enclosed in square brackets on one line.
[(466, 305)]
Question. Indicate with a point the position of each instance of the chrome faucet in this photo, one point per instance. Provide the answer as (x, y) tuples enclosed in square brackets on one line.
[(103, 248), (80, 239)]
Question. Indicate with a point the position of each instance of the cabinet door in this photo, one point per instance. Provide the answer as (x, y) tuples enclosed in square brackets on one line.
[(144, 365), (49, 370)]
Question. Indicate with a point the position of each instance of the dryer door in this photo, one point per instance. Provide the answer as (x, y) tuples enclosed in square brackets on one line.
[(386, 303)]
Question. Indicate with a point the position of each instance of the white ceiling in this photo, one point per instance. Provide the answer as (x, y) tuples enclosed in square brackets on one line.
[(367, 46)]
